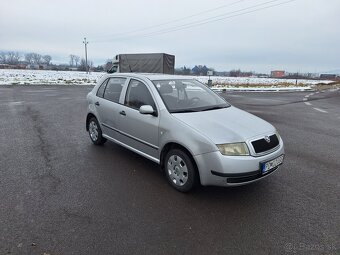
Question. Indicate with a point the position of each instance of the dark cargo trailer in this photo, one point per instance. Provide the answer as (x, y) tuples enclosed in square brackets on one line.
[(144, 63)]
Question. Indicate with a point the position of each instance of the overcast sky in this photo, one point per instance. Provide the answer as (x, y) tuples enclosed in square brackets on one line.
[(302, 35)]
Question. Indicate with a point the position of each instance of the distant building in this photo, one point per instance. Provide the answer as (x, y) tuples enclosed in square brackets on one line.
[(327, 76), (277, 74), (9, 66), (32, 66)]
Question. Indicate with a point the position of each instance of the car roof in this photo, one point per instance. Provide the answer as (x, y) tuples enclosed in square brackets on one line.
[(152, 76)]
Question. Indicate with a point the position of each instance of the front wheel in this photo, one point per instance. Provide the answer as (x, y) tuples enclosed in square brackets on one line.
[(179, 170), (95, 132)]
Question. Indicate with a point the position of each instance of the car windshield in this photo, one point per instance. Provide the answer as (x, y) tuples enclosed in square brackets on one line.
[(183, 95)]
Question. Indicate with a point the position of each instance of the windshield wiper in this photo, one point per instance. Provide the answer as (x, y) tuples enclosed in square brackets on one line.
[(184, 110), (214, 108)]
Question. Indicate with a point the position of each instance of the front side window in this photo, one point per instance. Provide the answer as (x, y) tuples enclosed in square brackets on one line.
[(137, 95), (188, 96), (113, 89)]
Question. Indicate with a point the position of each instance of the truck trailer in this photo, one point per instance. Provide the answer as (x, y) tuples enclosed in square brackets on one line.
[(143, 63)]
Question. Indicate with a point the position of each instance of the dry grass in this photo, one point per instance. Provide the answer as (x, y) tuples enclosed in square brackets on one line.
[(332, 85)]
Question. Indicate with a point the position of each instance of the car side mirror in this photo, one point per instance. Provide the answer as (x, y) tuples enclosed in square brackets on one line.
[(146, 109)]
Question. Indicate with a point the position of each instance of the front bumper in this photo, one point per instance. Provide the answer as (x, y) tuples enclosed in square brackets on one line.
[(220, 170)]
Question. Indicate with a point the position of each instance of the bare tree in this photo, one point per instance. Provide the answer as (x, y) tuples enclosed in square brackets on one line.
[(76, 60), (72, 60), (36, 58), (3, 57), (13, 57), (82, 66), (29, 58), (47, 59)]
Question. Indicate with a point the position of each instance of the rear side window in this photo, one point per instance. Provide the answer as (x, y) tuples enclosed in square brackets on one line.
[(100, 91), (113, 89), (137, 95)]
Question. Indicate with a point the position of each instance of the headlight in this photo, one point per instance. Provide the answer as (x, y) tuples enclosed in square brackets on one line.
[(233, 149)]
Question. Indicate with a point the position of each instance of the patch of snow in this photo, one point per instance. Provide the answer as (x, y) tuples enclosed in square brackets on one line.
[(46, 77), (263, 89), (36, 77), (250, 81)]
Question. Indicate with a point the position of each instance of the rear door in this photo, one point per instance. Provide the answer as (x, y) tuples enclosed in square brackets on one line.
[(108, 96), (139, 131)]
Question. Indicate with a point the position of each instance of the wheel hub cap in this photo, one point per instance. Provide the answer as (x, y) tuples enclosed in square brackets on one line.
[(177, 170), (93, 130)]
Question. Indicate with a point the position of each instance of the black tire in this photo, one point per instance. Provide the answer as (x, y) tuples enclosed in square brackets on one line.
[(179, 170), (95, 132)]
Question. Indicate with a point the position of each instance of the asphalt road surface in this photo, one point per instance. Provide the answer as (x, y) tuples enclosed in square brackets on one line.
[(60, 194)]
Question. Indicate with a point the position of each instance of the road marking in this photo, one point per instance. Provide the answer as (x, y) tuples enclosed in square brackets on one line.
[(320, 110), (40, 91), (317, 92), (307, 96), (305, 99), (307, 103), (15, 103)]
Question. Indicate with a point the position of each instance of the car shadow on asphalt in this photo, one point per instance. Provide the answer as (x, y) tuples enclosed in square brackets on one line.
[(145, 169)]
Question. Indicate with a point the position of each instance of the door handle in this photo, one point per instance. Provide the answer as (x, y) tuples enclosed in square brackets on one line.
[(97, 103), (122, 113)]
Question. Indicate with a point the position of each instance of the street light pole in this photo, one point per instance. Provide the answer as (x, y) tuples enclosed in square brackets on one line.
[(85, 43)]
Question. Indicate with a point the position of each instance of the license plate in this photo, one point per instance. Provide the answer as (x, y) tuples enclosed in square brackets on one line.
[(270, 165)]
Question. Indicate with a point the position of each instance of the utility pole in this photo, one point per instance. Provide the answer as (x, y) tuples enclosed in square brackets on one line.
[(86, 43)]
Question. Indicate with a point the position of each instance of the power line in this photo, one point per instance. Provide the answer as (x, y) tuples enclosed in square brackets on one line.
[(172, 21), (206, 20), (215, 19)]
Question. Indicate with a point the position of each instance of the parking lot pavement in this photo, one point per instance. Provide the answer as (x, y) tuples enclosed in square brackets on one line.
[(62, 195)]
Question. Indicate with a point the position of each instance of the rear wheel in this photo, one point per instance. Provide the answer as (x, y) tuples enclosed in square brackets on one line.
[(180, 170), (95, 132)]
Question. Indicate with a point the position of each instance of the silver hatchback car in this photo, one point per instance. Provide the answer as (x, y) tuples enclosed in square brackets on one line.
[(189, 130)]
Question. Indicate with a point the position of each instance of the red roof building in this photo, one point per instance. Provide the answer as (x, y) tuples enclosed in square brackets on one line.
[(277, 74)]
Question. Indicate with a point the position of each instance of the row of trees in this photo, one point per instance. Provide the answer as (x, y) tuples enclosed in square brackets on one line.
[(35, 58), (196, 70), (203, 70), (9, 57), (14, 58), (74, 60), (80, 63)]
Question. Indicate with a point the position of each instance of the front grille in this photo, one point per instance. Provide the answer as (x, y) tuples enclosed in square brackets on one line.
[(262, 145)]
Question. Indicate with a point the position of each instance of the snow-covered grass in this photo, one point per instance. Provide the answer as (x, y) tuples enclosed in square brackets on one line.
[(263, 89), (218, 81), (35, 77)]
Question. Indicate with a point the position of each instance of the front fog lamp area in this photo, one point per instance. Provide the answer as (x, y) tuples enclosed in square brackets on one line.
[(234, 149)]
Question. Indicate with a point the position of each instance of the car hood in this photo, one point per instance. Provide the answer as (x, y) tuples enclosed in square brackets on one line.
[(227, 125)]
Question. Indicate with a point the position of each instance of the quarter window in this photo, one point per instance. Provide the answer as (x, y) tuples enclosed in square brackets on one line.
[(137, 95), (113, 89), (100, 91)]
